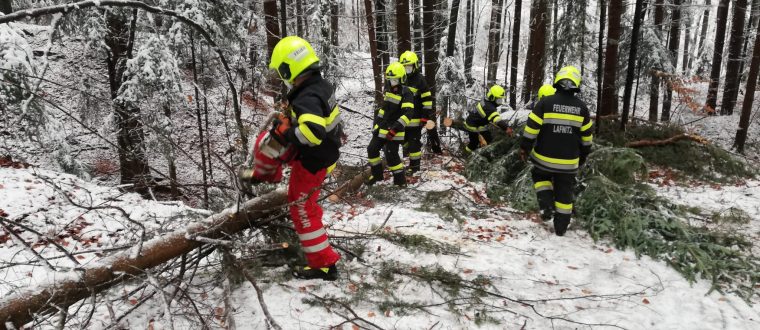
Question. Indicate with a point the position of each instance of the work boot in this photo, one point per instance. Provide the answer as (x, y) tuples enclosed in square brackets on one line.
[(414, 166), (560, 225), (325, 273), (547, 214), (399, 178), (376, 176)]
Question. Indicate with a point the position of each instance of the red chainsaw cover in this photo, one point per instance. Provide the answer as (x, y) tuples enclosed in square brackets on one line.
[(265, 167)]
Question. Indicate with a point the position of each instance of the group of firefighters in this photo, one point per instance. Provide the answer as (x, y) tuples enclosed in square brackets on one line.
[(556, 139)]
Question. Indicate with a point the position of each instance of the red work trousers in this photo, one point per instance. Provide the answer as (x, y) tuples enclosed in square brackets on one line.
[(303, 192)]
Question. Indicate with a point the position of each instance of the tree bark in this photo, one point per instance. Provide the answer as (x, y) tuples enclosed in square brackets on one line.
[(6, 6), (535, 60), (431, 54), (300, 20), (687, 39), (283, 18), (703, 32), (609, 87), (403, 31), (417, 8), (271, 24), (731, 91), (749, 96), (750, 26), (334, 14), (469, 43), (720, 38), (515, 52), (199, 121), (494, 42), (638, 15), (600, 60), (453, 19), (675, 23), (376, 60), (381, 33)]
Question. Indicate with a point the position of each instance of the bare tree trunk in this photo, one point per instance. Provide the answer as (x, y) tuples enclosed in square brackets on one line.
[(173, 188), (5, 6), (273, 36), (381, 33), (199, 120), (687, 38), (402, 26), (469, 43), (703, 32), (748, 37), (675, 23), (638, 16), (283, 18), (506, 24), (300, 19), (555, 29), (453, 19), (600, 59), (431, 53), (334, 14), (720, 38), (534, 63), (609, 87), (376, 60), (133, 163), (515, 52), (494, 42), (417, 26), (731, 91), (749, 96)]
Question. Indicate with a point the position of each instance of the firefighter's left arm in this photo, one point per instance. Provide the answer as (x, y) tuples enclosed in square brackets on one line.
[(587, 135), (407, 110), (309, 130), (426, 96), (532, 127)]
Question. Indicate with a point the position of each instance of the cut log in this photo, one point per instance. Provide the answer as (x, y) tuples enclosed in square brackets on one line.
[(22, 307), (674, 139)]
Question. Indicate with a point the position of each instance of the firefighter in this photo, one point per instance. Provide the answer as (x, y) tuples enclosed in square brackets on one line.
[(557, 138), (485, 112), (423, 105), (389, 126), (545, 90), (313, 128)]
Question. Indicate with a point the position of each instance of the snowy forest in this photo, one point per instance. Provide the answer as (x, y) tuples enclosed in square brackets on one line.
[(379, 164)]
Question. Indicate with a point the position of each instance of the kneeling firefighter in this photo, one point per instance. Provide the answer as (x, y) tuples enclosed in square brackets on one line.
[(307, 138), (557, 138), (485, 113), (389, 125)]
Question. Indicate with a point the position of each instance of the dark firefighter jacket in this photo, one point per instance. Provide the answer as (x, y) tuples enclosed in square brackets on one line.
[(316, 123), (423, 99), (559, 132), (396, 113), (485, 112)]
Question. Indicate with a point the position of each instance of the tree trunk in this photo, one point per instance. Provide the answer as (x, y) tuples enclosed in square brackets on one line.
[(600, 59), (494, 42), (417, 26), (273, 36), (675, 24), (283, 18), (376, 60), (453, 19), (748, 37), (720, 38), (515, 52), (402, 26), (555, 30), (173, 188), (469, 44), (703, 32), (687, 39), (334, 14), (130, 136), (431, 54), (5, 6), (381, 33), (199, 120), (300, 20), (535, 60), (749, 96), (731, 91), (609, 87), (638, 15), (506, 25)]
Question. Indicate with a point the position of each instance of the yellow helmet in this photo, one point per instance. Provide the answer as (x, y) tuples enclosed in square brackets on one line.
[(395, 70), (496, 92), (545, 90), (571, 73), (291, 57), (409, 58)]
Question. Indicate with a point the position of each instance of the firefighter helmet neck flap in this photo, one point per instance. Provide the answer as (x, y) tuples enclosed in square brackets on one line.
[(410, 61), (395, 74)]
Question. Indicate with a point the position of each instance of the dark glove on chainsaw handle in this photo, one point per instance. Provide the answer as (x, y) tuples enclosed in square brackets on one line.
[(280, 126)]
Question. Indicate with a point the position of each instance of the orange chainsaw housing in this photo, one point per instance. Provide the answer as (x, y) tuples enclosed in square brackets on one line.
[(268, 157)]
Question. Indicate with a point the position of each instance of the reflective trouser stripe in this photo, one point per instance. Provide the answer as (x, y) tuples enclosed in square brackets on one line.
[(374, 161), (563, 208), (316, 248), (396, 168), (312, 235), (543, 185), (415, 155), (555, 163)]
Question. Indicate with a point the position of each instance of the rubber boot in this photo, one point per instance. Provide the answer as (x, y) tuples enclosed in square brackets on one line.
[(376, 174), (325, 273), (414, 166), (561, 222), (399, 178)]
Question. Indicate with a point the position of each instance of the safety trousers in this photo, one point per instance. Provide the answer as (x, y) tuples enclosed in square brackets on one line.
[(413, 145), (555, 194), (474, 141), (395, 165), (303, 192)]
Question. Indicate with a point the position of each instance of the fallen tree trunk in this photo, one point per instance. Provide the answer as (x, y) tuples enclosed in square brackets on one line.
[(652, 143), (21, 308)]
